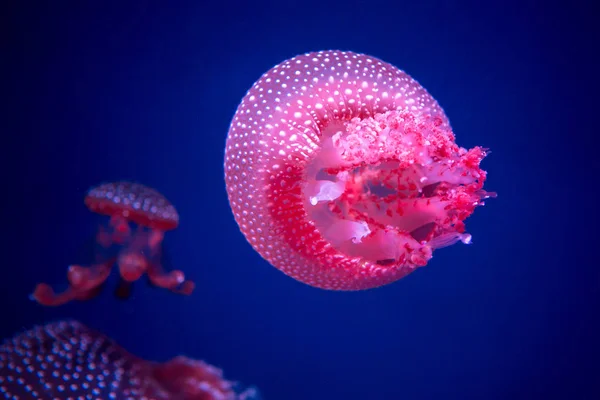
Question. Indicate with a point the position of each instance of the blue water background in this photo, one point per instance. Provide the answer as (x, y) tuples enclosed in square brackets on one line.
[(137, 90)]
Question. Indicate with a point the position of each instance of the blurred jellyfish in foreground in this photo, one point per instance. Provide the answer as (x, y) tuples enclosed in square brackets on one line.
[(140, 253), (67, 360)]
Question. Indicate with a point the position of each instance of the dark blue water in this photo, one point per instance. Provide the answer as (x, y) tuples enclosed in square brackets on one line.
[(137, 91)]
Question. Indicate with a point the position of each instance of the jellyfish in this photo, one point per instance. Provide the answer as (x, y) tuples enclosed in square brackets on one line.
[(68, 360), (343, 172), (139, 252)]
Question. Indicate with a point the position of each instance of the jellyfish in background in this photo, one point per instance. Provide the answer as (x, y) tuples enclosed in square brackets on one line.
[(67, 360), (342, 171), (140, 249)]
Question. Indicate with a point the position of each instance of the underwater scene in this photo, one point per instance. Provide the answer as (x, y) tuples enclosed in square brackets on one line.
[(305, 200)]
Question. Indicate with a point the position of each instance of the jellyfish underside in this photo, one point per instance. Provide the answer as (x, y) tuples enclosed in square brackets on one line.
[(139, 254), (383, 206)]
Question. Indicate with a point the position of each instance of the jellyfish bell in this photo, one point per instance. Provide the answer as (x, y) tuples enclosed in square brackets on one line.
[(343, 172), (139, 252), (132, 202)]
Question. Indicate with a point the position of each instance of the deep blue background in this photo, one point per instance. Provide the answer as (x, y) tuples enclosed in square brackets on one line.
[(133, 90)]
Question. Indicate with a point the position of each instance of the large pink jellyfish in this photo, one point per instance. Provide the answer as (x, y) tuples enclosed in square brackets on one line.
[(342, 171), (67, 360), (140, 251)]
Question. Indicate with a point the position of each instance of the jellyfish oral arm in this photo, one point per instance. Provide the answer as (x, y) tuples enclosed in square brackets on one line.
[(400, 184)]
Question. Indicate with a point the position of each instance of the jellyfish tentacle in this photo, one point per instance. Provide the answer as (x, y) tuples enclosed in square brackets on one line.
[(167, 280), (155, 238), (132, 265), (88, 294), (174, 280), (122, 230), (85, 283), (46, 296), (186, 288), (85, 278)]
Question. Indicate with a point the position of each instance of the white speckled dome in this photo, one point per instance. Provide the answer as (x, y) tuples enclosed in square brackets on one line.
[(281, 126)]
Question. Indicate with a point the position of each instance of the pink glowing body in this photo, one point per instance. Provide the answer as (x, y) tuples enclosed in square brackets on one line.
[(68, 360), (125, 203), (342, 171)]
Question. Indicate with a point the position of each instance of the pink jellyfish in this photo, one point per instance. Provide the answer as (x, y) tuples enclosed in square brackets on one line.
[(140, 253), (67, 360), (342, 171)]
